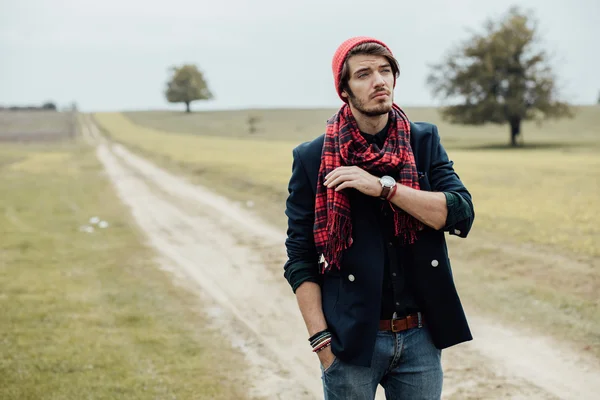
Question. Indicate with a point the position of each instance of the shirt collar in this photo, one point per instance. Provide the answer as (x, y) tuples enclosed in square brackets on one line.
[(379, 137)]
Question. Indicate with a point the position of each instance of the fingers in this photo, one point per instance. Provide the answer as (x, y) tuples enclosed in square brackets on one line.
[(337, 181), (337, 178), (347, 184), (341, 170), (351, 177)]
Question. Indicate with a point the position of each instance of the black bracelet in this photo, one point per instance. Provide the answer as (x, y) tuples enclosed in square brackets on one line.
[(320, 339), (316, 335)]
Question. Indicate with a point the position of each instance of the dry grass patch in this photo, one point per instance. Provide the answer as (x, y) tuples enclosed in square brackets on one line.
[(90, 315), (544, 196)]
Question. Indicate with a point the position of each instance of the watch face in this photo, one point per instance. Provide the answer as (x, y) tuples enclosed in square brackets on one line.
[(387, 181)]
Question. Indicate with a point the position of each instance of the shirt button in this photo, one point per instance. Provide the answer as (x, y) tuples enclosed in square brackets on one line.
[(393, 274), (390, 244), (351, 278), (434, 263), (457, 232), (397, 303)]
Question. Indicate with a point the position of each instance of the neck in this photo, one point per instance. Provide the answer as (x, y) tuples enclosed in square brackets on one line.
[(370, 125)]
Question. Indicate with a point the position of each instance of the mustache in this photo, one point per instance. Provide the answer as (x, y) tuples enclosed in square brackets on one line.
[(380, 91)]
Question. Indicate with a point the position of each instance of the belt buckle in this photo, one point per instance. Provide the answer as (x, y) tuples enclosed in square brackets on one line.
[(394, 318)]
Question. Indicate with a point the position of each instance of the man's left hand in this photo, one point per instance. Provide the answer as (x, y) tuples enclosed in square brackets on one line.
[(354, 177)]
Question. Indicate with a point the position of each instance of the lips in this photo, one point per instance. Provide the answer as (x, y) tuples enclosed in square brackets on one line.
[(380, 94)]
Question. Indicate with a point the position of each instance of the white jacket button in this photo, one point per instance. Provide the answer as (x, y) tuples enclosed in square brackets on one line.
[(457, 231), (351, 278), (434, 263)]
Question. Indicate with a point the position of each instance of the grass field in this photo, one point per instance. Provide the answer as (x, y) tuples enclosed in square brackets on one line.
[(546, 193), (27, 126), (543, 195), (90, 315), (299, 125)]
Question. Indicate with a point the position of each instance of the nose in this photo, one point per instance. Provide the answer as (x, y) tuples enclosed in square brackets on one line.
[(379, 81)]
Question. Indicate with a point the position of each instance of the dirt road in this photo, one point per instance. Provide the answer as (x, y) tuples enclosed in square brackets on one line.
[(234, 260)]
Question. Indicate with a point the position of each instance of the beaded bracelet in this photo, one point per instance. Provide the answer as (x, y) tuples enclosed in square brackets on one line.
[(320, 341), (322, 345), (323, 348)]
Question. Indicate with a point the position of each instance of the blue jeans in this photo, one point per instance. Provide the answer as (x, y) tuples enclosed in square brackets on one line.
[(406, 364)]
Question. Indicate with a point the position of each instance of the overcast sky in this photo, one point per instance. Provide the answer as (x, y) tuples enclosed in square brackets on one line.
[(115, 54)]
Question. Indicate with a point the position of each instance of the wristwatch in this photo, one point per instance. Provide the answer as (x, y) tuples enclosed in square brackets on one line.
[(387, 183)]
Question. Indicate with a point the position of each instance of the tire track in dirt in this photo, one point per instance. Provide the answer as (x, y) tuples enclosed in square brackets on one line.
[(230, 275)]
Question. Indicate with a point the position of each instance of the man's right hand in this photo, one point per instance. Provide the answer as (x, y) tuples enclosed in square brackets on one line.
[(326, 357), (308, 295)]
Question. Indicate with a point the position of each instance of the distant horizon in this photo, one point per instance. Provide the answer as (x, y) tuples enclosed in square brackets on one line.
[(280, 108), (61, 108)]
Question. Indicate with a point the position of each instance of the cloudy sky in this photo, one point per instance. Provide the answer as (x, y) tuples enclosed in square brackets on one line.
[(115, 54)]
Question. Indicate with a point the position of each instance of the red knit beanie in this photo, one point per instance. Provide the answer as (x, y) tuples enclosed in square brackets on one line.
[(340, 56)]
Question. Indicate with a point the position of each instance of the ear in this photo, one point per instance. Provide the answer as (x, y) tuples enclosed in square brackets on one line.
[(344, 94)]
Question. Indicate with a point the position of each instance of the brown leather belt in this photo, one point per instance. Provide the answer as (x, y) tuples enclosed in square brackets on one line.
[(402, 324)]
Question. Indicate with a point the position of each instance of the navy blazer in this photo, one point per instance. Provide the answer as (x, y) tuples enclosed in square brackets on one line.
[(352, 307)]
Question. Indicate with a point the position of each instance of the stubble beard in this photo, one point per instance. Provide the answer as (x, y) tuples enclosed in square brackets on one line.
[(374, 111)]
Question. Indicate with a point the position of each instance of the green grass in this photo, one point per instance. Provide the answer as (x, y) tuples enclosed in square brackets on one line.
[(91, 315), (546, 197)]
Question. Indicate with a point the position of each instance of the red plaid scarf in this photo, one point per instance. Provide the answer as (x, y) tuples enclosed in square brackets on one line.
[(344, 145)]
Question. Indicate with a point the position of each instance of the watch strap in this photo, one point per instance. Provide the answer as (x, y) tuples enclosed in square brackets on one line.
[(385, 191), (392, 192)]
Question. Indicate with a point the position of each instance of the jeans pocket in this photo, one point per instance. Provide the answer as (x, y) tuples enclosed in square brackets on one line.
[(333, 364)]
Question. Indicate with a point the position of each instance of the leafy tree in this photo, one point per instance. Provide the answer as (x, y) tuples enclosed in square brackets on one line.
[(499, 76), (49, 105), (187, 84)]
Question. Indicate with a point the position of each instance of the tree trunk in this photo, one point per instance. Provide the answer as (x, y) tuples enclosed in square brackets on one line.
[(187, 107), (515, 131)]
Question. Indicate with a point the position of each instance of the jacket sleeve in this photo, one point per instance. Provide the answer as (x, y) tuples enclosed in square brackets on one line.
[(302, 263), (443, 178)]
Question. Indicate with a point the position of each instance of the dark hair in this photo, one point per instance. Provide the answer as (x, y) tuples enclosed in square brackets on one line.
[(370, 48)]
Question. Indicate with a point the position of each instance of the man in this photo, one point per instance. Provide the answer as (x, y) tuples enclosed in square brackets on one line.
[(369, 202)]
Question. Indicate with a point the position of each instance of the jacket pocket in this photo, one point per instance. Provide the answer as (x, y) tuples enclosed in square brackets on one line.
[(424, 181), (330, 292)]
